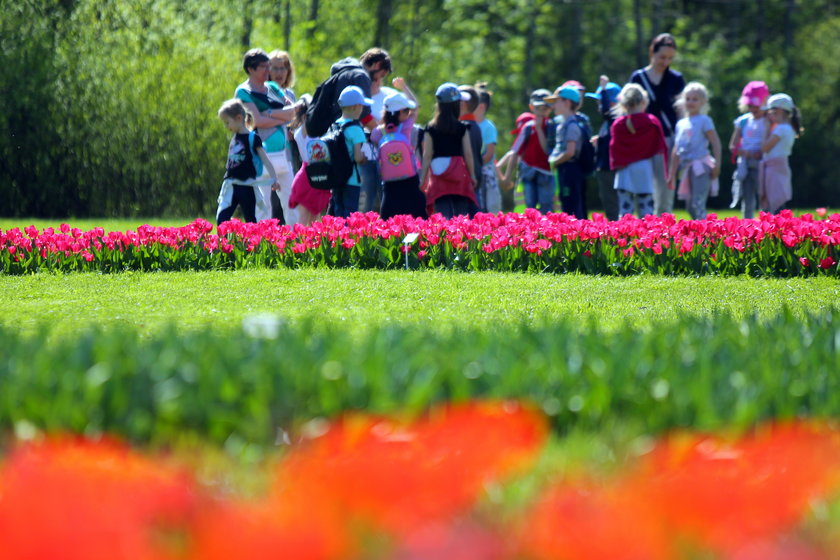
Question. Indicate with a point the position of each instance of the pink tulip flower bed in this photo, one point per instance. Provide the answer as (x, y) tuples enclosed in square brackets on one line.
[(780, 245)]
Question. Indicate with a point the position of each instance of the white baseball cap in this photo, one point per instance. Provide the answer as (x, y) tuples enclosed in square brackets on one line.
[(397, 102)]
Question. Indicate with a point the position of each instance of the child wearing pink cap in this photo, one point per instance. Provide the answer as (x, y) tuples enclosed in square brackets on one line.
[(745, 145)]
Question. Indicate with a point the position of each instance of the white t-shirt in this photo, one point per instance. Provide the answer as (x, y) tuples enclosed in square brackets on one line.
[(378, 107), (785, 144), (302, 141)]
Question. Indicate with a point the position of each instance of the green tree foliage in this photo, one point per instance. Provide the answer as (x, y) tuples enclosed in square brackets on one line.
[(108, 107)]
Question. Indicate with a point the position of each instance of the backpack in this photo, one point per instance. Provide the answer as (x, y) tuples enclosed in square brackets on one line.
[(586, 158), (396, 157), (258, 164), (330, 165), (323, 110)]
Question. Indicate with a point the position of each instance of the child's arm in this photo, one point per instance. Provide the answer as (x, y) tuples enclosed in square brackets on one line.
[(735, 141), (538, 128), (567, 155), (714, 140), (401, 85), (468, 156), (358, 155), (672, 169), (427, 158), (275, 186), (489, 154), (770, 142)]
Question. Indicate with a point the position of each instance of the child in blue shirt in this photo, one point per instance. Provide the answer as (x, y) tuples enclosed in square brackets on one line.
[(345, 200)]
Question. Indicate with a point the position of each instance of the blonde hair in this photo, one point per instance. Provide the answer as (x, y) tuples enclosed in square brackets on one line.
[(693, 87), (630, 97), (234, 108), (290, 75)]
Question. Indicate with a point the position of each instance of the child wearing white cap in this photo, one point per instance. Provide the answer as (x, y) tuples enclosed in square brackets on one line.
[(399, 165), (345, 199), (775, 187)]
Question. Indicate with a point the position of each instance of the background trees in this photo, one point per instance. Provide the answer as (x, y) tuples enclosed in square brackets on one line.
[(108, 106)]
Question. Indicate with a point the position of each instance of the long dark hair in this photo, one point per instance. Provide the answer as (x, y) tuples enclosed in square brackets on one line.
[(391, 120), (445, 119)]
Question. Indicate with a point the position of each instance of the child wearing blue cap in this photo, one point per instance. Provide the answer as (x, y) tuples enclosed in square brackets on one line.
[(607, 97), (565, 156), (345, 199)]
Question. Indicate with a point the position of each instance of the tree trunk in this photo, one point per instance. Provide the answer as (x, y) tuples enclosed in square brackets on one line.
[(384, 11), (313, 18), (530, 40), (759, 28), (575, 50), (790, 32), (637, 18), (247, 23), (287, 26)]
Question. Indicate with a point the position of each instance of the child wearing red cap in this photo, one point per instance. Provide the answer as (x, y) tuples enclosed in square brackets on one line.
[(745, 145)]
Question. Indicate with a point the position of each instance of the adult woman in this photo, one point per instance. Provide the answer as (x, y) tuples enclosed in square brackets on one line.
[(662, 85), (271, 110), (281, 71)]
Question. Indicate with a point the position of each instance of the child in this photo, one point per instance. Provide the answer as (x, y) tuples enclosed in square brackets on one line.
[(308, 202), (607, 97), (345, 199), (775, 184), (448, 172), (491, 195), (695, 132), (397, 156), (564, 156), (531, 148), (467, 116), (636, 138), (242, 170), (745, 144)]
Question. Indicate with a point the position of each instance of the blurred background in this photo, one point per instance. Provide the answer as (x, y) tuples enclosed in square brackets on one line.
[(108, 107)]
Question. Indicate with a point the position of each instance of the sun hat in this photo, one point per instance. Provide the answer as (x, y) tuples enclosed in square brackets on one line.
[(565, 92), (612, 90), (754, 93), (449, 93), (538, 97), (520, 122), (780, 101), (353, 95), (397, 102)]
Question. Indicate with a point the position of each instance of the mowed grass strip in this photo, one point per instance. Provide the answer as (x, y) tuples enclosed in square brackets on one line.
[(363, 299)]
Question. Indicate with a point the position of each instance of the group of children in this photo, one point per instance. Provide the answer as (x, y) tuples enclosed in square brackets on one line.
[(450, 165)]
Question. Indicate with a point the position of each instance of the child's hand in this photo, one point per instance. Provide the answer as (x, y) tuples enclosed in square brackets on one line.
[(398, 82), (275, 186), (603, 80), (715, 172)]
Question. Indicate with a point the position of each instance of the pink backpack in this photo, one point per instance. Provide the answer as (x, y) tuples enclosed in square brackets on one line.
[(396, 157)]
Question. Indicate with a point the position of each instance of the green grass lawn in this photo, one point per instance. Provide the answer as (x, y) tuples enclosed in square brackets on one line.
[(362, 299)]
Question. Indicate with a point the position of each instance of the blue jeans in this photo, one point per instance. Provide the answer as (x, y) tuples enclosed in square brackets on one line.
[(344, 201), (539, 188), (371, 185)]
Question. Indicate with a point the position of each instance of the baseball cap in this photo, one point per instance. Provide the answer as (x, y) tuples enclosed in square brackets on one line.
[(353, 95), (449, 92), (520, 122), (565, 92), (538, 97), (575, 84), (780, 101), (612, 90), (754, 93), (397, 102)]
